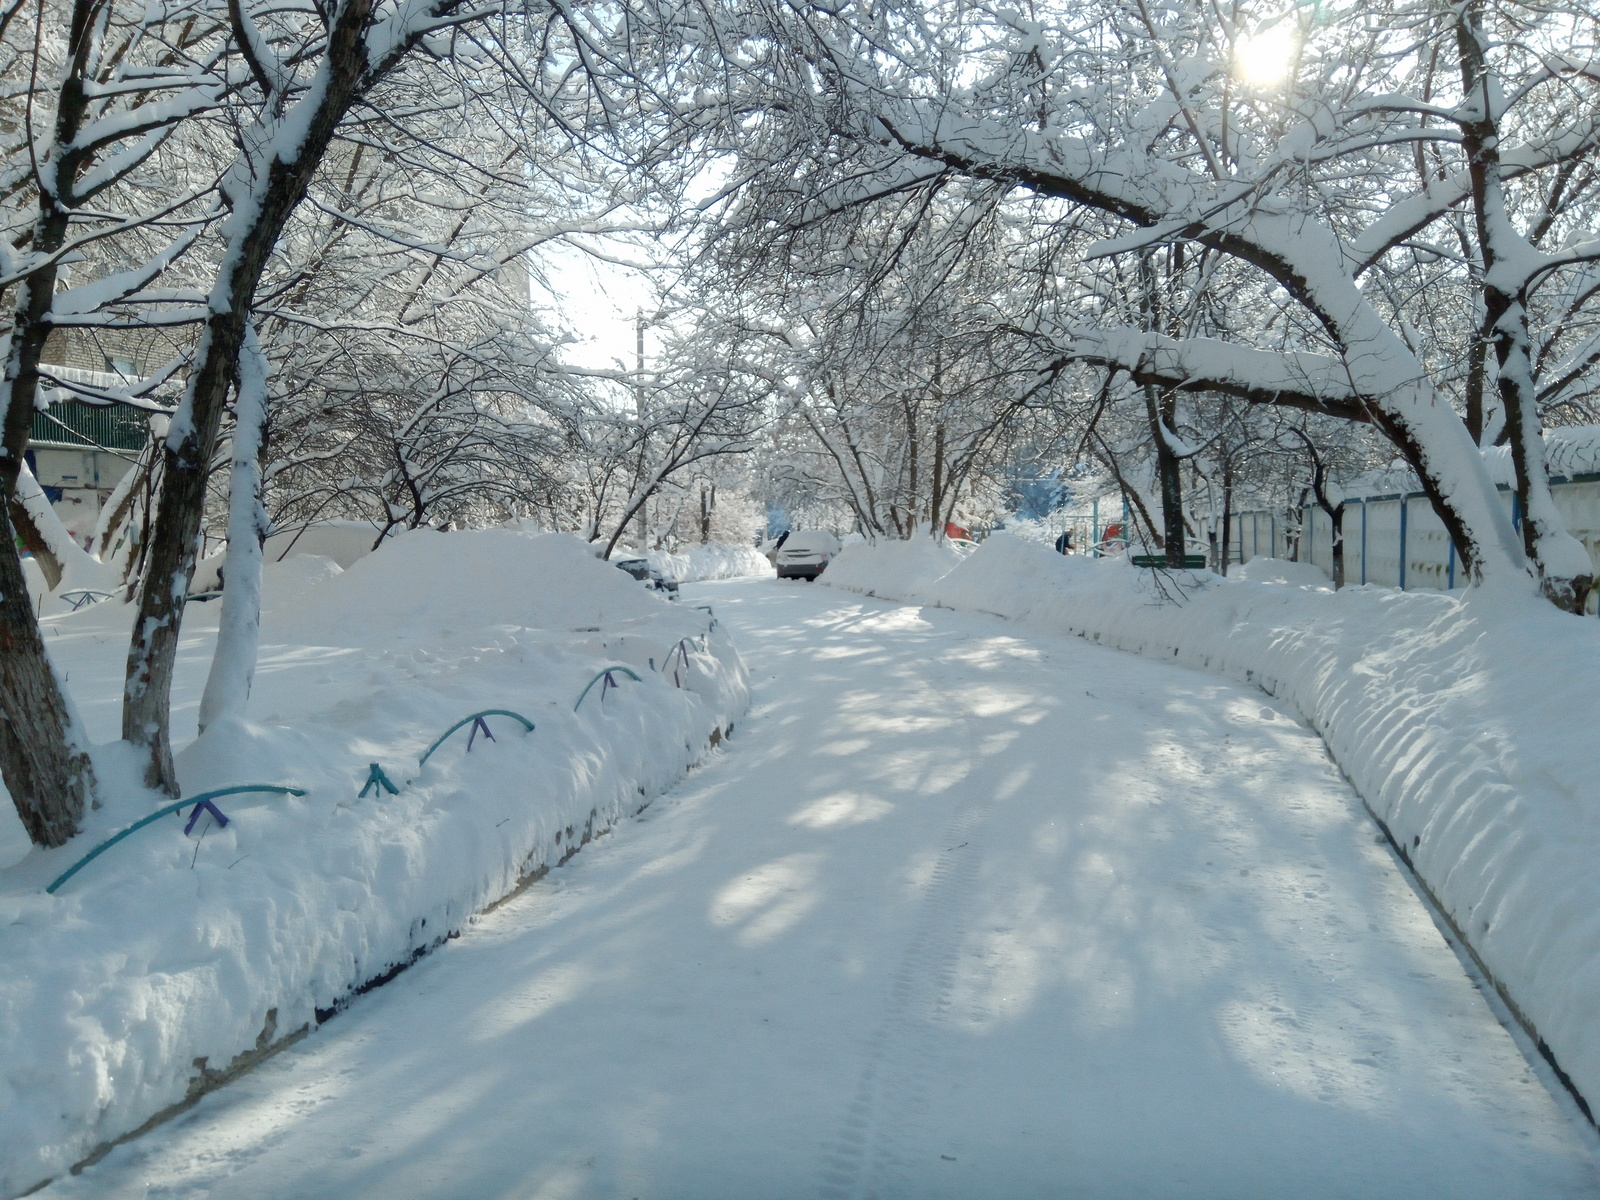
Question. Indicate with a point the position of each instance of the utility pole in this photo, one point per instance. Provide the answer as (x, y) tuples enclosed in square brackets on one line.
[(638, 408)]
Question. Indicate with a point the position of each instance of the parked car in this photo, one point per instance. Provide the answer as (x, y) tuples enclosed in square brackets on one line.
[(805, 554), (641, 570)]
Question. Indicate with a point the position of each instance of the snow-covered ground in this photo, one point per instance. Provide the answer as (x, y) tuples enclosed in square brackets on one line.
[(1280, 570), (1459, 717), (967, 909), (170, 955)]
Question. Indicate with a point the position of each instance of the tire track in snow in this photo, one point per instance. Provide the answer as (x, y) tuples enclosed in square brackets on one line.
[(884, 1123)]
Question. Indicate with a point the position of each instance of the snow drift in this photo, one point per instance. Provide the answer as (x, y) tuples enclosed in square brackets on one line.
[(1455, 715), (171, 958), (908, 569), (713, 560)]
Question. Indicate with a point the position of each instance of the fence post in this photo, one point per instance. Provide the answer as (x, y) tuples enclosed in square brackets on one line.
[(1363, 539), (1404, 498)]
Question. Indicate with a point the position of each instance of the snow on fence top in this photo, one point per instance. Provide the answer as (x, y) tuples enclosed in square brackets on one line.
[(1571, 452)]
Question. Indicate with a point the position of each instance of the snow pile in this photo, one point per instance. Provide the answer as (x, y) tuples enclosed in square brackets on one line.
[(713, 560), (904, 570), (167, 958), (1280, 570), (413, 584), (343, 541), (1456, 716)]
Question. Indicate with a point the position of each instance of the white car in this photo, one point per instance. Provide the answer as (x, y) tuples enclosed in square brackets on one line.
[(805, 554)]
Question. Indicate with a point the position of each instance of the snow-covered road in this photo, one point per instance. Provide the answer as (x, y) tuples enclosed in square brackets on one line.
[(963, 912)]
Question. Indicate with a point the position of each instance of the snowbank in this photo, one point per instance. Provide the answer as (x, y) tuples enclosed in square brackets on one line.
[(714, 560), (904, 570), (1280, 570), (424, 582), (343, 541), (1461, 718), (171, 957)]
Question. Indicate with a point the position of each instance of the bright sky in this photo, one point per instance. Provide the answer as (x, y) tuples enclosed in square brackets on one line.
[(599, 302)]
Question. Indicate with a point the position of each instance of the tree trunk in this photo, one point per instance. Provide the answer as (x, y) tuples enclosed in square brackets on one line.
[(1169, 478), (42, 756), (26, 532), (913, 500), (1227, 514), (41, 530), (1477, 372), (42, 753), (233, 664), (1336, 514)]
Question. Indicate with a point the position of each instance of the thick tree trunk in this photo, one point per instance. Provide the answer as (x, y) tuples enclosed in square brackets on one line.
[(1169, 479), (45, 763), (1565, 571), (42, 759), (1477, 373), (1227, 515), (1336, 514)]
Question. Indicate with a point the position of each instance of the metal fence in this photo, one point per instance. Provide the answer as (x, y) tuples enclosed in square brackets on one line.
[(1397, 540), (106, 426)]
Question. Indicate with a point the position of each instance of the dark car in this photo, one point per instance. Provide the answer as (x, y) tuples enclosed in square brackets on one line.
[(641, 570)]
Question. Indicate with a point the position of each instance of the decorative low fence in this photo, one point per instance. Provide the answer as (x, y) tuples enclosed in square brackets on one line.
[(377, 782)]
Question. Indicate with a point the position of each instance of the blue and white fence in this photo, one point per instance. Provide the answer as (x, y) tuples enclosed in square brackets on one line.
[(1396, 539)]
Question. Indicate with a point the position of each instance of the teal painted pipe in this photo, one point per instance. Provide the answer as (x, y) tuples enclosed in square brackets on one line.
[(527, 727), (628, 671), (161, 812)]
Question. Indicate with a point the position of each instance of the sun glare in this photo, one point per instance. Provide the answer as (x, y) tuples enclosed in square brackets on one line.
[(1265, 57)]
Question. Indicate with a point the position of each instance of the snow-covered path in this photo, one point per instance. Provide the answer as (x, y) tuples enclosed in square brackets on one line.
[(964, 912)]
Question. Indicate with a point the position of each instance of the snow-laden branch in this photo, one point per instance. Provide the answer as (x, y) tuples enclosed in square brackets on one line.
[(1293, 379)]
